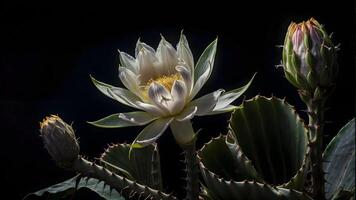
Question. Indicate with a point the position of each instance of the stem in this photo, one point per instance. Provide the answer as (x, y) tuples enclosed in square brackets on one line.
[(184, 135), (316, 111), (121, 184), (192, 169)]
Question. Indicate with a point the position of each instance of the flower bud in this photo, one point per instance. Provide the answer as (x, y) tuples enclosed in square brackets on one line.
[(59, 140), (309, 56)]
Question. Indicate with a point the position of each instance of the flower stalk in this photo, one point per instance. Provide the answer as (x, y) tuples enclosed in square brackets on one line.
[(316, 110)]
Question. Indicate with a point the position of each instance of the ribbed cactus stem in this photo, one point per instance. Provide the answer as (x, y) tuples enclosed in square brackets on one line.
[(121, 184), (192, 169), (316, 109)]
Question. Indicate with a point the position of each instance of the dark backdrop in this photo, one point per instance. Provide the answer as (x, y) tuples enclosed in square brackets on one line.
[(47, 54)]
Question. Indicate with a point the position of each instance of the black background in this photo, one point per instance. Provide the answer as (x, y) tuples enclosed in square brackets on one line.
[(48, 52)]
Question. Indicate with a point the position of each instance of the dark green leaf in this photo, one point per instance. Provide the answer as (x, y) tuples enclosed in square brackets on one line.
[(143, 165), (68, 187), (273, 137), (340, 161)]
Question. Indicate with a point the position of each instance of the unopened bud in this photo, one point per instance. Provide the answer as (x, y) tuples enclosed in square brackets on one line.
[(309, 56), (59, 140)]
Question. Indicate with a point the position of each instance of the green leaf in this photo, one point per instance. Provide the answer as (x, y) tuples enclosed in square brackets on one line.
[(220, 189), (340, 161), (143, 166), (68, 188), (222, 158), (206, 60), (272, 136)]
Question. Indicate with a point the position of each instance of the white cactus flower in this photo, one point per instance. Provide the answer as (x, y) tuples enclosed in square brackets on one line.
[(162, 84)]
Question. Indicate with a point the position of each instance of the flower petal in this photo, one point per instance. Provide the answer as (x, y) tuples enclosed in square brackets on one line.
[(129, 79), (167, 57), (124, 120), (146, 61), (184, 52), (160, 96), (206, 61), (206, 103), (152, 109), (228, 97), (128, 61), (140, 45), (179, 97), (200, 82), (228, 108), (187, 113), (120, 94), (187, 77), (151, 133)]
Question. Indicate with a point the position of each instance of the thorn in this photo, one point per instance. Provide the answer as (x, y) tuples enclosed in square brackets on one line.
[(279, 46), (132, 194), (279, 66), (122, 190)]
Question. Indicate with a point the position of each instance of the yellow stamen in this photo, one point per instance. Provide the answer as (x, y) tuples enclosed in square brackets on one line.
[(166, 80)]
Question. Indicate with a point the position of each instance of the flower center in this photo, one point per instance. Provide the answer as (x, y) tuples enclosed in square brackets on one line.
[(166, 80)]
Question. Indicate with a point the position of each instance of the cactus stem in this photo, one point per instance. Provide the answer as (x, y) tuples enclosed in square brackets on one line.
[(91, 170), (316, 109), (192, 170)]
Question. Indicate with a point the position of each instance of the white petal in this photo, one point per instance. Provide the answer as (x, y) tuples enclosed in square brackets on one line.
[(123, 96), (187, 113), (152, 132), (120, 94), (146, 60), (228, 108), (204, 67), (160, 96), (201, 81), (140, 45), (206, 60), (167, 57), (129, 79), (206, 103), (128, 61), (187, 77), (184, 52), (124, 120), (179, 96), (232, 95), (182, 131), (152, 109)]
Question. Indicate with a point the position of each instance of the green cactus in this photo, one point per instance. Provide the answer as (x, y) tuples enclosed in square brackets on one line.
[(143, 165), (265, 153)]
